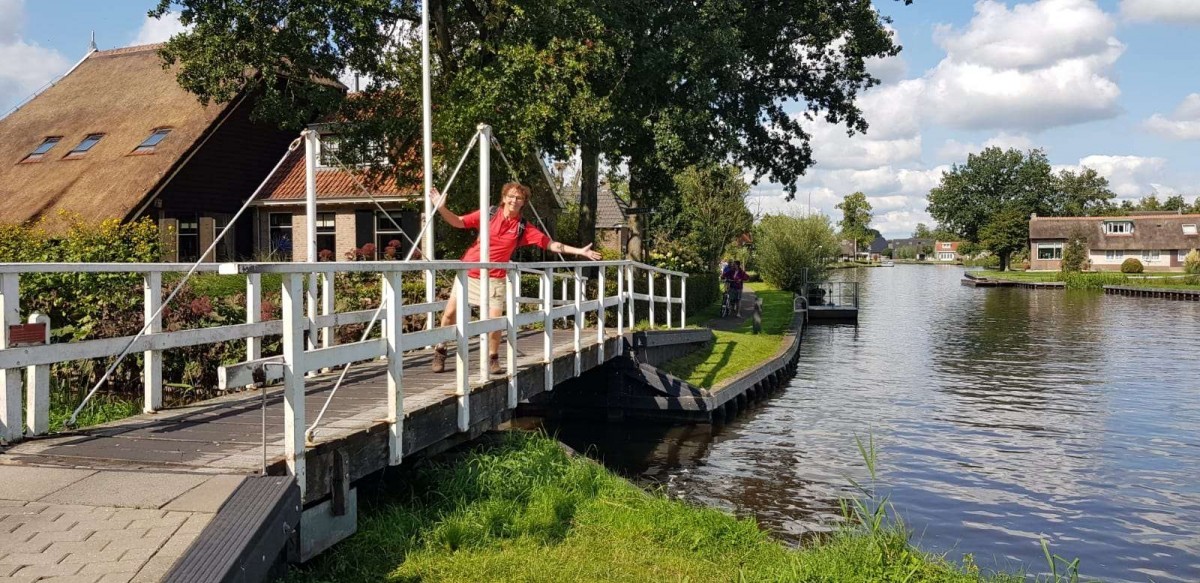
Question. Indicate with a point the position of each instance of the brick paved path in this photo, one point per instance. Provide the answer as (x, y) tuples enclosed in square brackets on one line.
[(86, 526)]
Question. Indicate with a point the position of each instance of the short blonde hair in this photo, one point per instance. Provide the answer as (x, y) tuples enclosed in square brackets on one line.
[(517, 186)]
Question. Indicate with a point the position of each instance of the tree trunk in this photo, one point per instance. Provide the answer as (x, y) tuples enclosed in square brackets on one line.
[(1004, 261), (589, 185)]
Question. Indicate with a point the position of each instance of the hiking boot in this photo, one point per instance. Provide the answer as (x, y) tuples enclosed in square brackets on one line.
[(494, 365), (439, 358)]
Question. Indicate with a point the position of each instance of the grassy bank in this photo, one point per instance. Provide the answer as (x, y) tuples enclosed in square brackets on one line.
[(1097, 279), (523, 510), (737, 350)]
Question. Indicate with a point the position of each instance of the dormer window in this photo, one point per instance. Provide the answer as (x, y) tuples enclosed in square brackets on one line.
[(1189, 229), (328, 151), (330, 155), (1118, 228), (151, 142), (84, 146), (40, 152)]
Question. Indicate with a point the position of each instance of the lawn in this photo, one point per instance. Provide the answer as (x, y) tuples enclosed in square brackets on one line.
[(1163, 280), (522, 509), (737, 350)]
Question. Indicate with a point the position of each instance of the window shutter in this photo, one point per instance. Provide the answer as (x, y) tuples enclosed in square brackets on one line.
[(208, 232), (364, 227)]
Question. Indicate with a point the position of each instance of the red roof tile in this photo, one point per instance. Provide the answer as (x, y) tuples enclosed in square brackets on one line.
[(332, 183)]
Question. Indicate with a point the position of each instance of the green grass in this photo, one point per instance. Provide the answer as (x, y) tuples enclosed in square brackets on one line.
[(102, 408), (523, 510), (738, 350), (1097, 279), (1023, 276)]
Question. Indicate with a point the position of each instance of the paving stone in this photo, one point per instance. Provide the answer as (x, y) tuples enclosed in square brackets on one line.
[(160, 534), (207, 497), (171, 522), (7, 570), (29, 483), (126, 489), (78, 533), (195, 523), (42, 558), (72, 579), (104, 555), (50, 570), (155, 569), (116, 578), (129, 567), (117, 534)]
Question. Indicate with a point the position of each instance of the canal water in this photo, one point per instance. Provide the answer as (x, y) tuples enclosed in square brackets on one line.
[(1001, 418)]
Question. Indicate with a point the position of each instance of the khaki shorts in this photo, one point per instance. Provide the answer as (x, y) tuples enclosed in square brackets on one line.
[(496, 289)]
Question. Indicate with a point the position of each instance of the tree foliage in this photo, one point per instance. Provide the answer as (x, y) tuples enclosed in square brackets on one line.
[(713, 200), (1074, 256), (856, 220), (792, 250), (989, 199)]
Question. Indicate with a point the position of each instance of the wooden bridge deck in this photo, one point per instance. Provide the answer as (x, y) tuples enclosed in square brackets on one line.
[(225, 435)]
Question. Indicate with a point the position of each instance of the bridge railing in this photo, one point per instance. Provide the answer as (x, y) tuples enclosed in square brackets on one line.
[(309, 321)]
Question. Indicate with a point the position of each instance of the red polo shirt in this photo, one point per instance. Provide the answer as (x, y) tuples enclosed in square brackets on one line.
[(503, 240)]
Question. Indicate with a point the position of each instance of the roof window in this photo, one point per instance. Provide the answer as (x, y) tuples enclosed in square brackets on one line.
[(151, 142), (39, 152), (1189, 229), (85, 145)]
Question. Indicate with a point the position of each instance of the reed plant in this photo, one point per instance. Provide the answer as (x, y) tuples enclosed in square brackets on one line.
[(1093, 279)]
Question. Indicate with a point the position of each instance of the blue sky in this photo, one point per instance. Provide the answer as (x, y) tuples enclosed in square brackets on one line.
[(1108, 84)]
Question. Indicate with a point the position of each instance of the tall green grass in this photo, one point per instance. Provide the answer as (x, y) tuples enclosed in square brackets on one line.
[(1092, 279), (524, 510)]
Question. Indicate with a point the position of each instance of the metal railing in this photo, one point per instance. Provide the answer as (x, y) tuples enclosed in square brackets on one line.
[(309, 343), (832, 294)]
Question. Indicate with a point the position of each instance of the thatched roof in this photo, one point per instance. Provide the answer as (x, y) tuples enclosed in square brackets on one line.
[(1159, 231), (124, 94)]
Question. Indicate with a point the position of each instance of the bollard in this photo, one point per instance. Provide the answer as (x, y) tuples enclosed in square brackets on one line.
[(757, 316)]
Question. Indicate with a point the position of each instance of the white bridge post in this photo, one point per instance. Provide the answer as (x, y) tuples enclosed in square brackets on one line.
[(683, 301), (327, 307), (578, 344), (548, 327), (395, 366), (462, 355), (37, 386), (622, 299), (253, 314), (600, 313), (629, 297), (294, 344), (10, 380), (650, 279), (152, 380), (510, 309), (670, 304)]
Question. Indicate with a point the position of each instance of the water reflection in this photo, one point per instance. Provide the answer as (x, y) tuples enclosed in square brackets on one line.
[(1003, 416)]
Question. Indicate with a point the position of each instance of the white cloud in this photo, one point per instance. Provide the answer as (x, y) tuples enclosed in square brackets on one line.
[(1033, 67), (156, 30), (1183, 124), (956, 152), (889, 69), (1128, 176), (24, 67), (1170, 11)]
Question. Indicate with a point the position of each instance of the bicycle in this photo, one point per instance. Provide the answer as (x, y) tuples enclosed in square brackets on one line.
[(727, 306)]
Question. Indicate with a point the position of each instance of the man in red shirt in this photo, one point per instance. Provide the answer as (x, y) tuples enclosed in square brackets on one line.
[(507, 232)]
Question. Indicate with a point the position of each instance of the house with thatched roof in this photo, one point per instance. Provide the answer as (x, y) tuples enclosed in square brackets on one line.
[(1159, 240), (116, 137)]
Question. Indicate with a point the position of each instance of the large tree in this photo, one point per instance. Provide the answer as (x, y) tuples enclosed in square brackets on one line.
[(856, 220), (713, 204)]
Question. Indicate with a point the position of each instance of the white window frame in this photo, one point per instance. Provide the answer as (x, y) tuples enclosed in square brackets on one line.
[(327, 226), (947, 246), (290, 230), (1189, 229), (1055, 248), (1125, 227), (945, 256), (1117, 255), (331, 142), (1151, 255)]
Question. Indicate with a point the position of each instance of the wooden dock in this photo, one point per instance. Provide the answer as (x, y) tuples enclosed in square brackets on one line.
[(977, 281), (1187, 295)]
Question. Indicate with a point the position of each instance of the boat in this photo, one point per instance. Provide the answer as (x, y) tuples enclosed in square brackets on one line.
[(887, 263)]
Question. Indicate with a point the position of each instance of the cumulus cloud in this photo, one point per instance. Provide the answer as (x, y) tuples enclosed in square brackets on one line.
[(956, 151), (24, 67), (1031, 67), (1183, 124), (1128, 176), (156, 30), (1170, 11)]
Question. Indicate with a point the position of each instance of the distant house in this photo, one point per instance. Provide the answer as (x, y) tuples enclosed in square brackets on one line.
[(946, 251), (875, 250), (911, 248), (612, 229), (1159, 241), (349, 213), (117, 137)]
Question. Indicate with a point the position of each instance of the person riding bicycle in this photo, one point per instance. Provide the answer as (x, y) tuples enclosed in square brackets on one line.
[(734, 276)]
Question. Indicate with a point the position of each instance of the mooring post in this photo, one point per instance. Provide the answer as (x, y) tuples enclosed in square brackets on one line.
[(510, 349), (37, 386), (462, 351), (10, 379), (548, 327), (395, 366), (294, 344), (600, 313), (152, 371)]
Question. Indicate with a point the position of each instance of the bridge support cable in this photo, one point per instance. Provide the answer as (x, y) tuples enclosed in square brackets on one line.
[(311, 433), (155, 317)]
